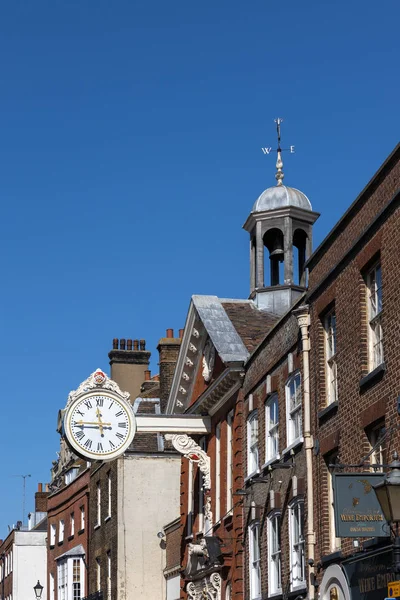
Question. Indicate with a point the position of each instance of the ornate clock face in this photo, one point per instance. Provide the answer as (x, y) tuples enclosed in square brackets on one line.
[(99, 425)]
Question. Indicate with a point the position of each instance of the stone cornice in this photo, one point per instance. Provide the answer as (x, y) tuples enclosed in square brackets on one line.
[(221, 389)]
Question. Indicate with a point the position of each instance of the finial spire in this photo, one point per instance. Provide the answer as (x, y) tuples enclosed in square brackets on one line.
[(279, 163)]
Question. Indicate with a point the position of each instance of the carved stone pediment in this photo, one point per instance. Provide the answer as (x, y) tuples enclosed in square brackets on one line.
[(207, 588), (98, 380)]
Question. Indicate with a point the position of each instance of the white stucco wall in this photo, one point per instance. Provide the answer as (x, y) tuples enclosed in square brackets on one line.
[(148, 499), (29, 563)]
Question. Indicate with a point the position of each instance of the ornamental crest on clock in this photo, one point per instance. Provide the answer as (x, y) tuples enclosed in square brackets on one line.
[(99, 423)]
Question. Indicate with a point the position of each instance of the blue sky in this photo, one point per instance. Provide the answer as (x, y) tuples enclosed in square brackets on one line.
[(130, 142)]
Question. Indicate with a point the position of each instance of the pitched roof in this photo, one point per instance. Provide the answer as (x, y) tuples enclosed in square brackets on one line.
[(251, 323)]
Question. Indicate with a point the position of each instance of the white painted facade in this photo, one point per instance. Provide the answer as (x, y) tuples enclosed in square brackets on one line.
[(29, 563), (148, 497)]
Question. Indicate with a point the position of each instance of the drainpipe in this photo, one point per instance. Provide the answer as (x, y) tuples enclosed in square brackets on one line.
[(303, 319)]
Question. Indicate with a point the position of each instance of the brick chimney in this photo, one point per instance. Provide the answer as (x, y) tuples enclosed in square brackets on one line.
[(168, 349), (41, 499), (129, 360)]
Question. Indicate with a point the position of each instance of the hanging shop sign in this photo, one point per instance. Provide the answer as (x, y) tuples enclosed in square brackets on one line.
[(357, 510), (369, 574)]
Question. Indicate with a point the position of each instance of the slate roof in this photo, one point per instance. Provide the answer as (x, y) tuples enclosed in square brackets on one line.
[(251, 323), (219, 327)]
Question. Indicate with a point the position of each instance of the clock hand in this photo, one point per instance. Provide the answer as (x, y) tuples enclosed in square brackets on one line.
[(93, 423), (101, 426)]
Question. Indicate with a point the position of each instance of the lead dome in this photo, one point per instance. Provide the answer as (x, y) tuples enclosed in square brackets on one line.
[(281, 196)]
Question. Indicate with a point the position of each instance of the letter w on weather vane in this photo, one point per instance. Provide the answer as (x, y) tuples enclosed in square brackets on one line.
[(268, 150)]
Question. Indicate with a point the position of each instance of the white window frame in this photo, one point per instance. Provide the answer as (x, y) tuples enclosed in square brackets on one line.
[(228, 591), (229, 462), (374, 435), (274, 553), (82, 509), (330, 357), (72, 524), (254, 561), (98, 504), (98, 574), (53, 532), (334, 542), (108, 592), (294, 415), (109, 488), (272, 431), (61, 529), (52, 587), (217, 472), (297, 543), (65, 568), (374, 302), (253, 464), (190, 507), (71, 474)]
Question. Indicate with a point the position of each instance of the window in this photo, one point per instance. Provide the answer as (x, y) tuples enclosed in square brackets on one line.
[(98, 500), (252, 443), (108, 575), (62, 580), (229, 463), (52, 535), (334, 542), (330, 357), (82, 509), (70, 475), (98, 574), (72, 524), (76, 579), (52, 589), (293, 408), (375, 335), (61, 531), (228, 592), (70, 579), (189, 529), (274, 554), (376, 438), (296, 524), (255, 570), (109, 493), (217, 472), (272, 428)]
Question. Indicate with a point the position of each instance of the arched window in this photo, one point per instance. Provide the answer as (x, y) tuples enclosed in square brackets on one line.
[(252, 443)]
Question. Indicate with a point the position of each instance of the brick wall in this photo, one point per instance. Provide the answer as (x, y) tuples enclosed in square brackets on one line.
[(342, 429)]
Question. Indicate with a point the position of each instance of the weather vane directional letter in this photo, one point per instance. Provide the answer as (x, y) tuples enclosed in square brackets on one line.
[(279, 164)]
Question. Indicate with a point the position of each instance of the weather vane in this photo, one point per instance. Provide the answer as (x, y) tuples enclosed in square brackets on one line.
[(279, 164)]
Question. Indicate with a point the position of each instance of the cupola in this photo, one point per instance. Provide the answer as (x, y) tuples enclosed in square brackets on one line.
[(280, 228)]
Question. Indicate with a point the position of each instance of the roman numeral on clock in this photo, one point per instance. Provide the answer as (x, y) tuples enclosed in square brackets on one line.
[(80, 413), (119, 413), (111, 444), (99, 447), (99, 401), (79, 435), (88, 404), (88, 444), (112, 402), (119, 435), (122, 425)]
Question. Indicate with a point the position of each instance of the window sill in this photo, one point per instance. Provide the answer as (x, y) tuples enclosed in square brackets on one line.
[(108, 518), (297, 589), (328, 411), (52, 546), (251, 476), (274, 595), (71, 537), (267, 464), (97, 526), (189, 538), (228, 517), (373, 377), (297, 442), (60, 543), (81, 531)]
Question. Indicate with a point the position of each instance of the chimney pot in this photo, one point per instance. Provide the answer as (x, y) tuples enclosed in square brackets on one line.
[(129, 345), (181, 333), (40, 487), (122, 344), (115, 344), (136, 344), (170, 333), (142, 344), (147, 375)]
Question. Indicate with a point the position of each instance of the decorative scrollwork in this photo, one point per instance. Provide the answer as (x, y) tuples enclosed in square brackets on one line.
[(187, 446), (98, 380)]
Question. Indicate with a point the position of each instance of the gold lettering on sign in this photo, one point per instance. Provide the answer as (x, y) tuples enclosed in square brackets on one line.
[(367, 585)]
